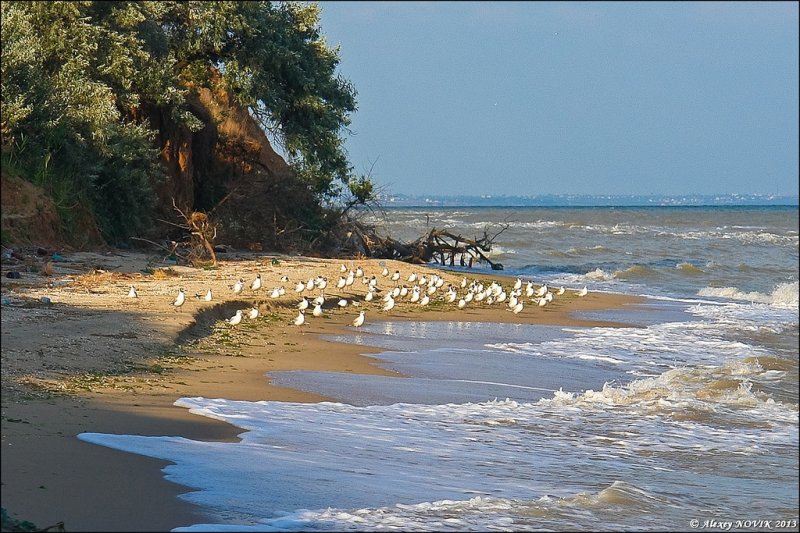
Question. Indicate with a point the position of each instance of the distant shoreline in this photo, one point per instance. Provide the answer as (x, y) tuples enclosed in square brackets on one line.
[(592, 201)]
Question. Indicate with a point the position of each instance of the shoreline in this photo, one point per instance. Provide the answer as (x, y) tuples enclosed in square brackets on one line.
[(91, 330)]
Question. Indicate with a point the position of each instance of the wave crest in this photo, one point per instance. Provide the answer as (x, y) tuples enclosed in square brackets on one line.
[(784, 295)]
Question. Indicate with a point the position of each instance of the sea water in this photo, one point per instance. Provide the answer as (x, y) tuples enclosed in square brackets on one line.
[(688, 419)]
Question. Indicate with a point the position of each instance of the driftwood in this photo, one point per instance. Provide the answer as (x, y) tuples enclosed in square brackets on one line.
[(441, 246)]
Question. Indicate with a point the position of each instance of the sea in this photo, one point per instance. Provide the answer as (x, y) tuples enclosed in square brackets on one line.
[(686, 420)]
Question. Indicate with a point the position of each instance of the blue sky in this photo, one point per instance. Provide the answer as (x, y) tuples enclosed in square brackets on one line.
[(525, 98)]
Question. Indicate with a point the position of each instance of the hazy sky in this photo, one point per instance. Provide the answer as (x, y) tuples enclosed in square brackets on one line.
[(572, 97)]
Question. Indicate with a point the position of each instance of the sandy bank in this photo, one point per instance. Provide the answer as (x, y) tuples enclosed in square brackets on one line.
[(92, 359)]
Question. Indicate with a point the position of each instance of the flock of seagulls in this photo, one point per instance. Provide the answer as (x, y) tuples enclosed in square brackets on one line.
[(414, 288)]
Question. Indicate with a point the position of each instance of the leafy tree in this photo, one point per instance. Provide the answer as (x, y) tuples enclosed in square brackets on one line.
[(76, 76)]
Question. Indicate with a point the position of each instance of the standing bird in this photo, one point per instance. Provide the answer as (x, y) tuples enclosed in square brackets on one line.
[(303, 304), (385, 272), (583, 292), (253, 313), (317, 310), (389, 304), (301, 318), (132, 293), (208, 296), (179, 299), (238, 286), (235, 319), (256, 283), (359, 320), (560, 291)]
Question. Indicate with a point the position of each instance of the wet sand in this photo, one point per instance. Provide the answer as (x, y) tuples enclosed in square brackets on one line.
[(93, 360)]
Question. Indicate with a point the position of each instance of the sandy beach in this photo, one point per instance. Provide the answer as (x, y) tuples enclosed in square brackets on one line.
[(78, 355)]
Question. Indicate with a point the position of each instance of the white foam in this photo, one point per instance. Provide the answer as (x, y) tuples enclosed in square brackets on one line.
[(784, 295)]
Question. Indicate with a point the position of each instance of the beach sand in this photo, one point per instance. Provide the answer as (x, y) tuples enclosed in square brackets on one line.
[(93, 360)]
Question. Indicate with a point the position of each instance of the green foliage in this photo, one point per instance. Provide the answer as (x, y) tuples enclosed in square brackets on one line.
[(75, 76)]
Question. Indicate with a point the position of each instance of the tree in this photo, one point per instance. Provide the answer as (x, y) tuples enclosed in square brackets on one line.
[(82, 82)]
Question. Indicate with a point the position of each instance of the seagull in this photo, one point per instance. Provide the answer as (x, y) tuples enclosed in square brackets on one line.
[(517, 308), (389, 304), (369, 296), (276, 293), (300, 287), (179, 299), (412, 277), (341, 283), (560, 291), (256, 283), (301, 318), (542, 301), (208, 296), (359, 320), (414, 294), (395, 276), (343, 268), (359, 272), (462, 303), (317, 310), (541, 291), (342, 303), (284, 278), (253, 313), (583, 292), (319, 300), (303, 304), (132, 293), (237, 288), (451, 295), (235, 319), (385, 271), (425, 300)]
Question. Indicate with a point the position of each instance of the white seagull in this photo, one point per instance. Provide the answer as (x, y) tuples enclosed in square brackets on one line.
[(389, 304), (301, 318), (359, 320), (303, 304), (235, 319), (256, 283), (317, 310), (253, 313), (179, 299), (208, 296), (132, 293), (238, 286), (583, 292)]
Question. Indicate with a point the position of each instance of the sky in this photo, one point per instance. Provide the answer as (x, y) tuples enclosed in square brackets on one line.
[(530, 98)]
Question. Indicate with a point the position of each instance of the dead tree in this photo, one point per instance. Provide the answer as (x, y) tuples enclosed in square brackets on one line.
[(199, 242), (441, 246)]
